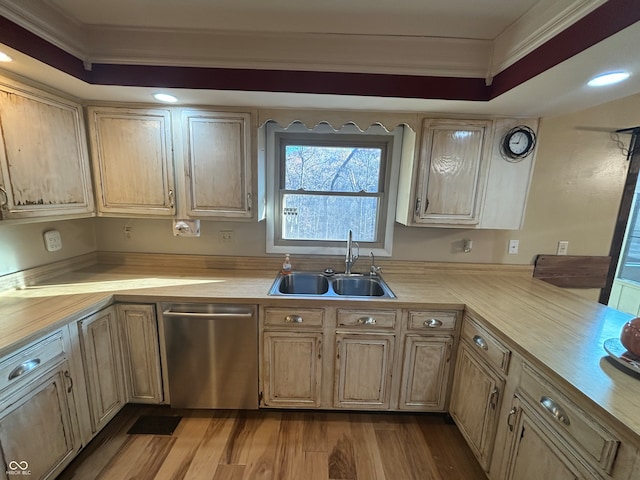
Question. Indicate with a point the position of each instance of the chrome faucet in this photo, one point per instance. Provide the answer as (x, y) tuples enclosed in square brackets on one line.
[(351, 257), (374, 270)]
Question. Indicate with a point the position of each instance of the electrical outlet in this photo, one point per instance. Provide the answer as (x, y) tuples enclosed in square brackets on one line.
[(513, 246), (226, 236), (563, 246), (52, 240), (126, 230)]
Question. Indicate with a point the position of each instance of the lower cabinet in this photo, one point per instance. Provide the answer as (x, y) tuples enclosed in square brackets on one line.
[(425, 373), (474, 403), (364, 363), (102, 360), (533, 454), (140, 352), (39, 433), (292, 369)]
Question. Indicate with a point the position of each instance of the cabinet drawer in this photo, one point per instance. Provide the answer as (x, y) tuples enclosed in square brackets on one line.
[(589, 438), (492, 350), (432, 320), (30, 359), (294, 317), (367, 318)]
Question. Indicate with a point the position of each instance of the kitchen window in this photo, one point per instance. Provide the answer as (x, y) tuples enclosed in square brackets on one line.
[(323, 183)]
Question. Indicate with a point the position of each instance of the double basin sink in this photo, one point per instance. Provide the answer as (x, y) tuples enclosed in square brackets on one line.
[(313, 284)]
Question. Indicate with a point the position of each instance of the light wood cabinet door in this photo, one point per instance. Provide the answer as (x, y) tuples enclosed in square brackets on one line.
[(36, 432), (364, 363), (425, 373), (533, 455), (292, 369), (44, 165), (452, 171), (217, 149), (132, 155), (140, 352), (475, 403), (102, 362)]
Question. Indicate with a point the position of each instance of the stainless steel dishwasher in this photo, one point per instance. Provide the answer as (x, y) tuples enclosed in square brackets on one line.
[(212, 355)]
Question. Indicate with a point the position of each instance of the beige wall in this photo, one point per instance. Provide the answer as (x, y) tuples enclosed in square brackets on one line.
[(574, 196), (22, 245)]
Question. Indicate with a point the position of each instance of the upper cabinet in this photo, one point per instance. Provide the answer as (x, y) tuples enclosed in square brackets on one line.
[(44, 166), (459, 177), (132, 155), (217, 163), (137, 151)]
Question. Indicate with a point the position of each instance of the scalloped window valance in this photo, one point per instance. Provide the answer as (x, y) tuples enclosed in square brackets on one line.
[(337, 119)]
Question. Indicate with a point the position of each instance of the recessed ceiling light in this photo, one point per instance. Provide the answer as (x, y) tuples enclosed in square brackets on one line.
[(5, 58), (608, 79), (165, 97)]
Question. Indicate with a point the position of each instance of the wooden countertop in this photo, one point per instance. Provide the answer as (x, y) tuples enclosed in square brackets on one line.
[(560, 332)]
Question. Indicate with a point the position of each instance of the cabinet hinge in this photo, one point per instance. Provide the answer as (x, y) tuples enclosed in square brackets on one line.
[(522, 433), (260, 397)]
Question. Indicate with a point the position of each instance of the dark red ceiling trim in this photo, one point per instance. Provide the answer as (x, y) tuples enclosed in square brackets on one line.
[(606, 20), (603, 22), (337, 83)]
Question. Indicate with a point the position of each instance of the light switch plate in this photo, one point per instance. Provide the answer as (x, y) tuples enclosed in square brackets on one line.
[(52, 240)]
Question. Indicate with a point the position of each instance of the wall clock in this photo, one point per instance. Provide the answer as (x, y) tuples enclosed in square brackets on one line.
[(518, 143)]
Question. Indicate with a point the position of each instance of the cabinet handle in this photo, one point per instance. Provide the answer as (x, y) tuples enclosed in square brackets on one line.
[(171, 203), (512, 412), (68, 375), (293, 319), (248, 202), (432, 323), (417, 212), (426, 204), (24, 368), (367, 321), (493, 399), (5, 198), (480, 342), (319, 349), (555, 410)]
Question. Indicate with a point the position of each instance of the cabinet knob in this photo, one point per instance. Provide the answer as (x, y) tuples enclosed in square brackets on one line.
[(480, 342), (4, 201), (432, 323), (293, 319), (512, 412), (367, 321)]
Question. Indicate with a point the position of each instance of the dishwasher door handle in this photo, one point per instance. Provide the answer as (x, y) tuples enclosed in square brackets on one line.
[(169, 313)]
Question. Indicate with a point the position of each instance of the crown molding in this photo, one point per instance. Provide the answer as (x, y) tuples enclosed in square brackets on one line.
[(48, 23), (398, 55), (537, 26)]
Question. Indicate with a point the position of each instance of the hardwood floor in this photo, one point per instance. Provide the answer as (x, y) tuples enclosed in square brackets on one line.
[(278, 445)]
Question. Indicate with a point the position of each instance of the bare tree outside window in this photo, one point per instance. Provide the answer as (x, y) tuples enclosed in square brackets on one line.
[(326, 190)]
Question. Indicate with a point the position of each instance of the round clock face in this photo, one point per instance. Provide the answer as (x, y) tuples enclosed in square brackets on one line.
[(519, 142)]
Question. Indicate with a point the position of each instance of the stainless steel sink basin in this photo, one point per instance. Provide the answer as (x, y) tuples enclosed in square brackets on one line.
[(358, 286), (303, 283), (314, 284)]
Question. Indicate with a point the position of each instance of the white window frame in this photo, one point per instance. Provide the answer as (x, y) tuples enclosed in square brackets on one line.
[(384, 246)]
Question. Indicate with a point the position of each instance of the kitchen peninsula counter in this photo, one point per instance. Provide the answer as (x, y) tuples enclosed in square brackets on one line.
[(558, 331)]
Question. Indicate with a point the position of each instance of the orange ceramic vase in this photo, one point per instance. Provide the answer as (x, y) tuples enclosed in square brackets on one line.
[(630, 336)]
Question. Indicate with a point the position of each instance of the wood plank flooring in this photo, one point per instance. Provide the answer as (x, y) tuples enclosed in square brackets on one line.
[(278, 445)]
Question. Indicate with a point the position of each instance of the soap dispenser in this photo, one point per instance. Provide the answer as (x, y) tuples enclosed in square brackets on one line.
[(286, 265)]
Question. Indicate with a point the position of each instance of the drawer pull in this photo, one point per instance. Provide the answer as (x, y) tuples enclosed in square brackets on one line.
[(432, 323), (367, 321), (293, 319), (556, 410), (24, 368), (479, 341)]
